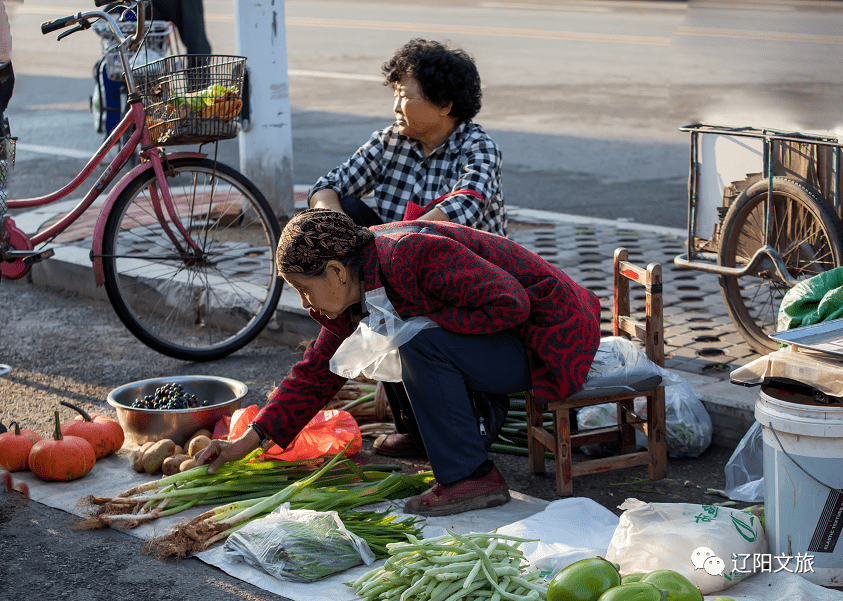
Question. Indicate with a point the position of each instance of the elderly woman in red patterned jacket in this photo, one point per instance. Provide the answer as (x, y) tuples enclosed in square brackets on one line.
[(467, 310)]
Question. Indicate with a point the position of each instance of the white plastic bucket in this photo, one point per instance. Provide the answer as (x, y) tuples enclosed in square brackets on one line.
[(803, 516)]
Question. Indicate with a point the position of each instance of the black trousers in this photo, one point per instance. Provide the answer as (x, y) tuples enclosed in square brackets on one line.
[(189, 18), (441, 373)]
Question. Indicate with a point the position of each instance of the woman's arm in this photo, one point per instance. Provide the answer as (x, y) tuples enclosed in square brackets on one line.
[(480, 173), (308, 388), (356, 177)]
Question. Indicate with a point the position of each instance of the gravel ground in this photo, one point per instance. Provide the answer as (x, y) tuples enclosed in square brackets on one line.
[(65, 347)]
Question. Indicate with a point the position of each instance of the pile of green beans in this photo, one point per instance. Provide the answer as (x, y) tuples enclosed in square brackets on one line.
[(454, 567)]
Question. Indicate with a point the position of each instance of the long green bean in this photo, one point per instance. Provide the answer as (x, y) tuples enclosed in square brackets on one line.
[(453, 567)]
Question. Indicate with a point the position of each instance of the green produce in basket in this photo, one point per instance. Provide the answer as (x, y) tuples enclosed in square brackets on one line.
[(584, 580), (677, 587), (634, 577), (196, 101), (634, 591)]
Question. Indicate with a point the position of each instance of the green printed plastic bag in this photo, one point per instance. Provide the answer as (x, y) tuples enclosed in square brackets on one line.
[(813, 301), (698, 541)]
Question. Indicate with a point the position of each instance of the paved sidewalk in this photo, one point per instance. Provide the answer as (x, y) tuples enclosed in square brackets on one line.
[(700, 339)]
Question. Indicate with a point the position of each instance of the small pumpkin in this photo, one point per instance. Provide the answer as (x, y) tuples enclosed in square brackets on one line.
[(15, 446), (61, 458), (104, 434)]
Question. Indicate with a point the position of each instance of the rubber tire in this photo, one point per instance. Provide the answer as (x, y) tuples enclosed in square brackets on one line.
[(755, 317), (193, 330)]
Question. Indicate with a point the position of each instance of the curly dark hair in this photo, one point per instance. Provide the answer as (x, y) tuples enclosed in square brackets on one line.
[(445, 75)]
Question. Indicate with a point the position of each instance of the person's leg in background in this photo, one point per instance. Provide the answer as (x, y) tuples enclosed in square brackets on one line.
[(439, 369), (189, 18)]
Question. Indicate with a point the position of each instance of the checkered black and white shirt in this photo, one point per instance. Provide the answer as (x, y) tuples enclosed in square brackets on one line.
[(394, 169)]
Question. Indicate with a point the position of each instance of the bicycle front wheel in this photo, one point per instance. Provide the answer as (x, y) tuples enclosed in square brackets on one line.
[(805, 232), (204, 285)]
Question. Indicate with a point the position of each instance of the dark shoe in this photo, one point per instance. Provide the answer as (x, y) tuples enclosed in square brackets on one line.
[(463, 495), (398, 445)]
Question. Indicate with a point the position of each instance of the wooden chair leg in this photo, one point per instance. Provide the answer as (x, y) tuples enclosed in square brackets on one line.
[(627, 442), (535, 449), (562, 427), (657, 435)]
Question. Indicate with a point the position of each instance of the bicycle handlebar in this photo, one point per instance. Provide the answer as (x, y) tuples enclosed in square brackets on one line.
[(81, 18), (57, 24)]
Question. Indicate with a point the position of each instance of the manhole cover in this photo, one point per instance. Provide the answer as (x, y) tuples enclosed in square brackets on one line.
[(710, 352), (707, 339), (716, 368)]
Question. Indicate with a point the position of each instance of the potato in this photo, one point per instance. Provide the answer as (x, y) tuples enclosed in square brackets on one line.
[(197, 444), (171, 464), (197, 434), (179, 451), (187, 464), (137, 456), (156, 454)]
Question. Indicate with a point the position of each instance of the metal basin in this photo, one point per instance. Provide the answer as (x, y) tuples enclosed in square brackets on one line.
[(149, 425)]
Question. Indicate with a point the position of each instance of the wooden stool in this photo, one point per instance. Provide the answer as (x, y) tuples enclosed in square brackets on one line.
[(649, 332)]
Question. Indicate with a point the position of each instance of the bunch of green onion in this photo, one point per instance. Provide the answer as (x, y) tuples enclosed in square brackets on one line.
[(245, 490), (512, 439)]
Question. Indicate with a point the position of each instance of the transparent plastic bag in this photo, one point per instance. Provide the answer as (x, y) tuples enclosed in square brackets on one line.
[(298, 545), (745, 469), (372, 349), (621, 366), (687, 423)]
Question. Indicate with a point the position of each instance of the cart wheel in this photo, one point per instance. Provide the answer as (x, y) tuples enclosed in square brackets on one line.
[(804, 230)]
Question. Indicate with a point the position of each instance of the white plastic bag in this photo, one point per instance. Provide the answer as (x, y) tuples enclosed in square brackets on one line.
[(621, 364), (566, 531), (298, 545), (745, 469), (687, 423), (698, 541), (372, 349)]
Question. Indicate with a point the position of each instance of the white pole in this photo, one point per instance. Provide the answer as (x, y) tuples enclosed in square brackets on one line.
[(266, 149)]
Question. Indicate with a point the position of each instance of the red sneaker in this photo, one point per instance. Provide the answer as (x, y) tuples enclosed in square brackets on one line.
[(463, 495)]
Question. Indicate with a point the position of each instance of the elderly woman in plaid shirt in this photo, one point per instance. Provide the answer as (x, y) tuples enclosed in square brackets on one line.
[(433, 161), (432, 164)]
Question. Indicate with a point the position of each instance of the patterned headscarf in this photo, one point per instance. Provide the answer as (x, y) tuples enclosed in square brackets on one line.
[(316, 236)]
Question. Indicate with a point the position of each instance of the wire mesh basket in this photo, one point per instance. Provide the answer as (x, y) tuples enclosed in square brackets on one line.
[(192, 99), (156, 44)]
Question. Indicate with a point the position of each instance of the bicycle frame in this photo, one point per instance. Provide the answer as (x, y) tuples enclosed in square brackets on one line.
[(141, 135), (765, 257)]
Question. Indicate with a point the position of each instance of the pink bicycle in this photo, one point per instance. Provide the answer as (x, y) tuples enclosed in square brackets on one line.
[(184, 245)]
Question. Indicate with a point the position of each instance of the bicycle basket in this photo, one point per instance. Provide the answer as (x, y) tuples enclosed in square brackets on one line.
[(155, 44), (192, 99)]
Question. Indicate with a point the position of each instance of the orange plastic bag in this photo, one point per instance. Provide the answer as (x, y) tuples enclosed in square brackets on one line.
[(326, 434)]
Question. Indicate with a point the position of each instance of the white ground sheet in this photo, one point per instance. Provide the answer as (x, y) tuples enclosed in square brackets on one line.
[(114, 475)]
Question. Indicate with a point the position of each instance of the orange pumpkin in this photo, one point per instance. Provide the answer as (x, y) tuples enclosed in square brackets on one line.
[(104, 434), (15, 446), (62, 458)]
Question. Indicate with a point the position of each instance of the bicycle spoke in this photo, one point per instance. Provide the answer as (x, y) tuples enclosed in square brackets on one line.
[(221, 288)]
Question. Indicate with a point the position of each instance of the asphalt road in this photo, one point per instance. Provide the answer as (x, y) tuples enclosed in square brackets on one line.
[(584, 98)]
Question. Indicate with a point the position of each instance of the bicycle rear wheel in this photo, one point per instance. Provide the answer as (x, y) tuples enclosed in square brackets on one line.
[(202, 303), (805, 232)]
